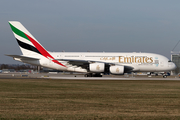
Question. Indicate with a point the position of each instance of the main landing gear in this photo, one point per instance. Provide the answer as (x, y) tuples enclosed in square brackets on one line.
[(164, 76), (93, 75)]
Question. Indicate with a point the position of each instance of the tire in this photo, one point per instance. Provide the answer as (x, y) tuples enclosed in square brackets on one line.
[(164, 76)]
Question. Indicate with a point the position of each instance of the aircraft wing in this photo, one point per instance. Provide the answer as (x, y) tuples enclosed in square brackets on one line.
[(85, 63), (23, 57), (79, 62)]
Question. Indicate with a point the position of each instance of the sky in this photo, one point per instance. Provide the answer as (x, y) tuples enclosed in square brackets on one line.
[(93, 25)]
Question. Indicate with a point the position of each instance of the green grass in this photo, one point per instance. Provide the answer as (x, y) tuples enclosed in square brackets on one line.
[(90, 100)]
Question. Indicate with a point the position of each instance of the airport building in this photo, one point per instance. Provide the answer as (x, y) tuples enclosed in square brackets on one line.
[(175, 57)]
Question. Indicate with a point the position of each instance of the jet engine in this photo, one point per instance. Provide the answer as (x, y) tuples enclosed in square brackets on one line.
[(97, 67), (119, 70)]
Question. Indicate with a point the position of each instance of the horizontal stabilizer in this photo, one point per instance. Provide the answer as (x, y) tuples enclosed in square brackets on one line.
[(23, 57)]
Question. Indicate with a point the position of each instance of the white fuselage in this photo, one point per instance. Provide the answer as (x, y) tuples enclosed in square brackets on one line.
[(140, 62)]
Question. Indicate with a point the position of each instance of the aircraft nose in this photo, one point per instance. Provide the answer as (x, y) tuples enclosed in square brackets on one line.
[(174, 66)]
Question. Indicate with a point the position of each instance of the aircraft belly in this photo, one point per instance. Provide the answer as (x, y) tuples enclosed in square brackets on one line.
[(151, 68), (147, 68), (162, 69), (50, 64)]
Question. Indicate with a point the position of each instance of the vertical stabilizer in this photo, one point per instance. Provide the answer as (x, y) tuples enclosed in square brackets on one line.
[(27, 43)]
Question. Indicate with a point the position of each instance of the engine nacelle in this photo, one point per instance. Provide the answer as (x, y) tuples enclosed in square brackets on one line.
[(97, 67), (117, 70)]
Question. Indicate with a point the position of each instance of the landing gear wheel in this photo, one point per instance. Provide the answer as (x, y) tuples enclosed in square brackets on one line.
[(97, 75), (164, 76), (88, 75), (93, 75)]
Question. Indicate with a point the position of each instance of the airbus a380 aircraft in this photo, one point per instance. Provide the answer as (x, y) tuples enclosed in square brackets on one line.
[(93, 64)]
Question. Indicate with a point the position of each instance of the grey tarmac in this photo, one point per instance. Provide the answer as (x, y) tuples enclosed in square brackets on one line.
[(68, 76)]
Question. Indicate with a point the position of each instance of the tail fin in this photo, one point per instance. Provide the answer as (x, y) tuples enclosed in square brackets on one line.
[(27, 43)]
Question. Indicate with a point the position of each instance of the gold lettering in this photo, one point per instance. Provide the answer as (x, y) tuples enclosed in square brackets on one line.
[(146, 60), (151, 60), (120, 59), (127, 59), (133, 59), (143, 59), (139, 60), (113, 58), (97, 68), (107, 58), (117, 70)]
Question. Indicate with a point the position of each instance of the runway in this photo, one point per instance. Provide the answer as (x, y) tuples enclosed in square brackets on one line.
[(81, 76), (102, 78)]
